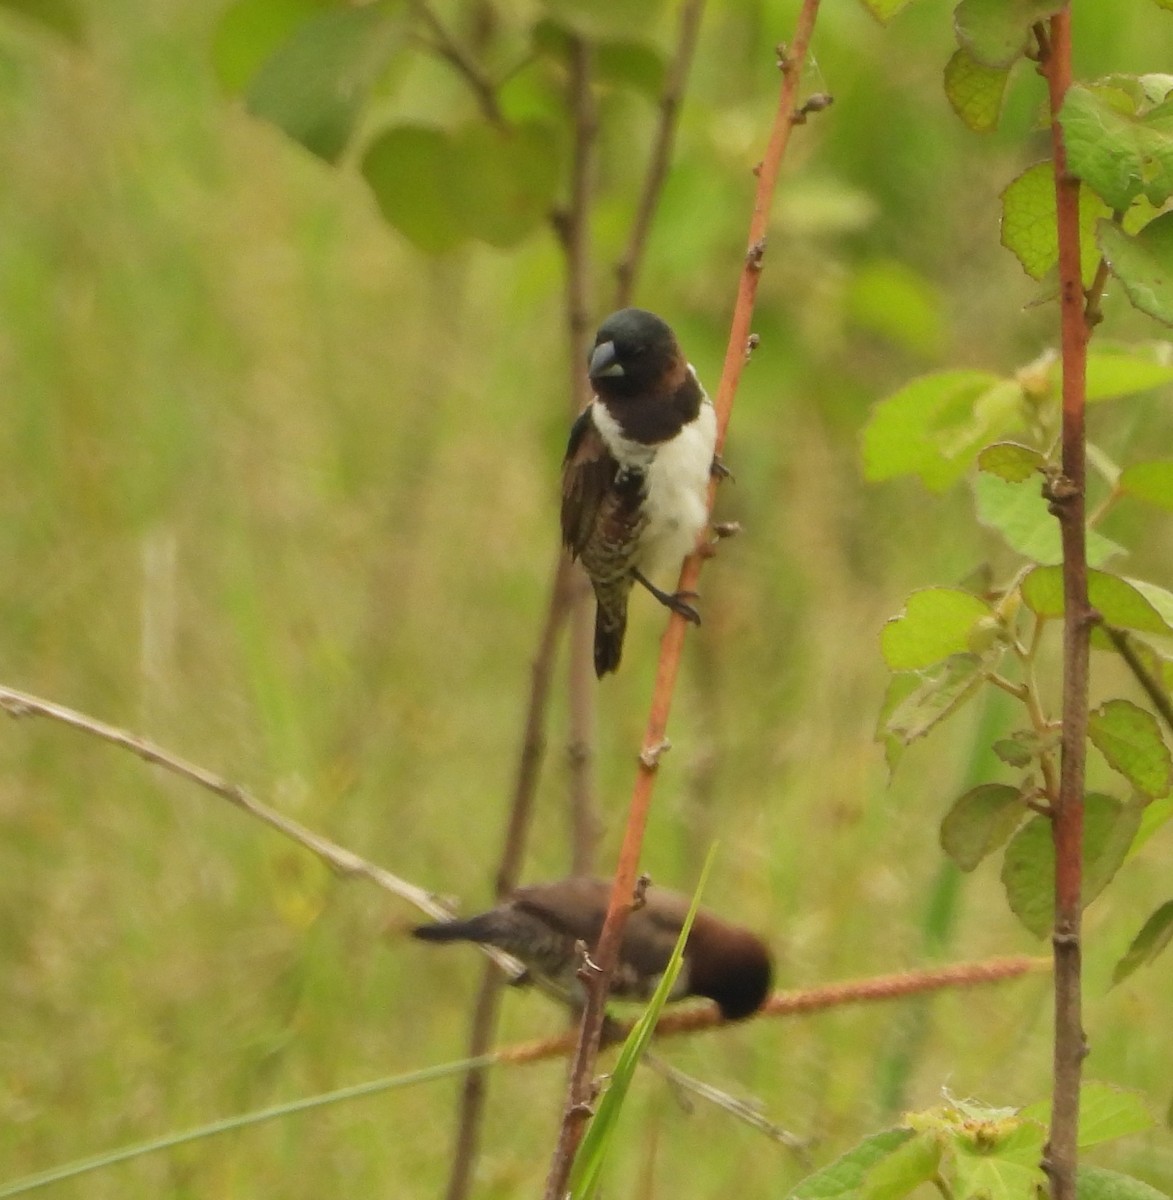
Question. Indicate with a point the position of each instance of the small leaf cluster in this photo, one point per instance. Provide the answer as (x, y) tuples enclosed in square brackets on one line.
[(949, 643), (491, 170), (965, 1149), (1118, 134)]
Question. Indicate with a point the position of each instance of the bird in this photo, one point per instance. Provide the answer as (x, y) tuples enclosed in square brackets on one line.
[(543, 924), (635, 478)]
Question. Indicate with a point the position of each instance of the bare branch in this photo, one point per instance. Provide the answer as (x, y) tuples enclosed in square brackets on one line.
[(626, 270), (448, 48), (345, 862), (1153, 688)]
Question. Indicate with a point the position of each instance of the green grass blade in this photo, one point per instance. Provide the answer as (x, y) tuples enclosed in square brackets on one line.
[(592, 1154), (356, 1091)]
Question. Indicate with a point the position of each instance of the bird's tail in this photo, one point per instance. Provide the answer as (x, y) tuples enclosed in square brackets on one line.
[(610, 626), (475, 929)]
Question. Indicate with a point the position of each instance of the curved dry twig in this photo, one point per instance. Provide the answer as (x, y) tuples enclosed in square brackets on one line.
[(345, 862)]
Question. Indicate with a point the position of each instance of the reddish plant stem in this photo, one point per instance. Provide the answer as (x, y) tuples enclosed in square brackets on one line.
[(1066, 494), (597, 971), (700, 1018)]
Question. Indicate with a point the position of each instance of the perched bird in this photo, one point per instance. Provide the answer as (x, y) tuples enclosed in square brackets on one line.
[(635, 478), (541, 925)]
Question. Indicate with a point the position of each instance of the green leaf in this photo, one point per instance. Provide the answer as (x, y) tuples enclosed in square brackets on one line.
[(1151, 481), (1029, 229), (409, 168), (61, 16), (1119, 155), (1010, 461), (1095, 1183), (979, 822), (1013, 752), (1125, 603), (1129, 737), (1028, 868), (841, 1180), (935, 624), (885, 10), (1005, 1166), (908, 1166), (586, 1173), (439, 189), (938, 696), (975, 91), (1155, 816), (1105, 1112), (317, 83), (997, 32), (503, 183), (1143, 263), (1020, 514), (1116, 374), (1155, 934), (933, 426), (639, 65), (1025, 745), (250, 31)]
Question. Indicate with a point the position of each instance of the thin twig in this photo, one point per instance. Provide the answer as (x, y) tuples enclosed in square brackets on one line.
[(688, 29), (574, 230), (449, 49), (1060, 1157), (743, 1110), (345, 862), (482, 1027), (1153, 689), (606, 952)]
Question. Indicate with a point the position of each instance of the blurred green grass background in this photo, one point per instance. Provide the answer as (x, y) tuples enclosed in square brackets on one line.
[(280, 492)]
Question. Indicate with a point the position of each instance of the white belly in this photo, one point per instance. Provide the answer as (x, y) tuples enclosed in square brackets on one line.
[(677, 504)]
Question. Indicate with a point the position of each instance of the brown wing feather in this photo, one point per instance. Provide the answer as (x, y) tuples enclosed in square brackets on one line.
[(575, 906), (588, 471)]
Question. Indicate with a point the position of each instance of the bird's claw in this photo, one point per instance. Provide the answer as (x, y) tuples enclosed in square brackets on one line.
[(678, 603), (719, 470)]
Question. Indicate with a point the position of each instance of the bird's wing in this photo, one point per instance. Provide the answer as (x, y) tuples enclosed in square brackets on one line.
[(575, 906), (652, 930), (588, 472)]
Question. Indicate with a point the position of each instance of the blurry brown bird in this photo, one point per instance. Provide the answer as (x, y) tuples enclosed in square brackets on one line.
[(541, 925)]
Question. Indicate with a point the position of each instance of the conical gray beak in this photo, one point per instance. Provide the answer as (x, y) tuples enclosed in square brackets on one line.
[(604, 364)]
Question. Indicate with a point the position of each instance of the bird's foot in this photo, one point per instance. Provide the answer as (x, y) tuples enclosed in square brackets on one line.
[(719, 470), (678, 602)]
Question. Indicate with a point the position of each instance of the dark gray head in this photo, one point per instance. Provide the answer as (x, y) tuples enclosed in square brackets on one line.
[(635, 353)]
